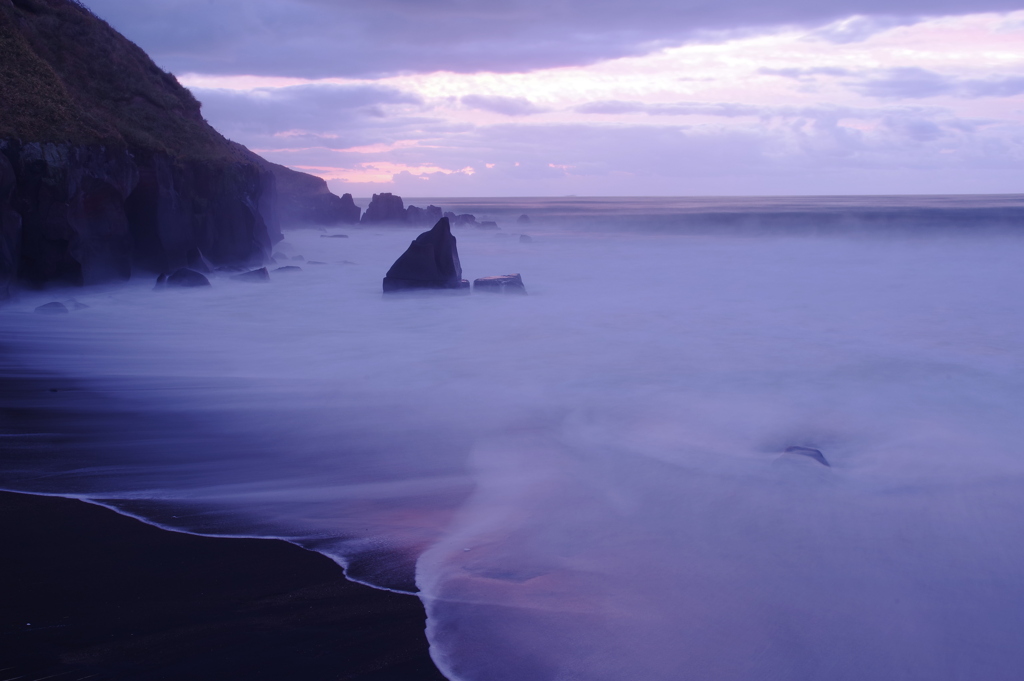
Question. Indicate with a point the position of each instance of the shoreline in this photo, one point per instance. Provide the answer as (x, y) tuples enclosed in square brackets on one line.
[(90, 593)]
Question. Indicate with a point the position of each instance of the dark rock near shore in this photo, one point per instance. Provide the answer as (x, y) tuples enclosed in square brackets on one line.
[(289, 268), (334, 236), (255, 276), (506, 283), (186, 278), (10, 229), (385, 207), (430, 262), (52, 308)]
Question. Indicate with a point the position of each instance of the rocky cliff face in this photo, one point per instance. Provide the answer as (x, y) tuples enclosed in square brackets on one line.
[(305, 200), (106, 164)]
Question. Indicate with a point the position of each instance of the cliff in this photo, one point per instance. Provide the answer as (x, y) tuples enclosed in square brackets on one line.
[(304, 199), (106, 163)]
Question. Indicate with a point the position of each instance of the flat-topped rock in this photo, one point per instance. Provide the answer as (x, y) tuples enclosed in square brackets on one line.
[(505, 283), (430, 262)]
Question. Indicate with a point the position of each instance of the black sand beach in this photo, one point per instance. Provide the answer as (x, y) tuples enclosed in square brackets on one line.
[(90, 594)]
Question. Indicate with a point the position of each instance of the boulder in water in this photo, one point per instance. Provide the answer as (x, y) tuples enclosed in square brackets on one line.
[(523, 219), (506, 283), (525, 239), (52, 308), (255, 276), (809, 452), (186, 278), (430, 262)]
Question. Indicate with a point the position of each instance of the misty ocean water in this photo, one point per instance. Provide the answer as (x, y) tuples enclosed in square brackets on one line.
[(591, 482)]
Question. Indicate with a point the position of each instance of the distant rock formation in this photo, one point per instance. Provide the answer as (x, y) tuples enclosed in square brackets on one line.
[(385, 207), (523, 219), (461, 220), (506, 283), (428, 215), (430, 262), (488, 224), (525, 239), (106, 163)]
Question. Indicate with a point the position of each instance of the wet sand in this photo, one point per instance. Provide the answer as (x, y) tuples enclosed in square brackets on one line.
[(91, 594)]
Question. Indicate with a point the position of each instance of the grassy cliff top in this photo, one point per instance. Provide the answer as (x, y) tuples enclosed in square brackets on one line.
[(67, 76)]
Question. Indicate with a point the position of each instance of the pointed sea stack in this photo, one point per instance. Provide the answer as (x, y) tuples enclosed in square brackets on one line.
[(430, 262)]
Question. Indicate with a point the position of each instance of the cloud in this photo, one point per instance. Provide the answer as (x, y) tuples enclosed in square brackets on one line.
[(858, 28), (508, 106), (916, 83), (350, 38), (805, 73)]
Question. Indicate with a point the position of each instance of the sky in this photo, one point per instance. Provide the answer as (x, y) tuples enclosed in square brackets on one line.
[(607, 98)]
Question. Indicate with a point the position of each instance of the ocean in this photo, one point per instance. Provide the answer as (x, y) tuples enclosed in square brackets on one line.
[(591, 482)]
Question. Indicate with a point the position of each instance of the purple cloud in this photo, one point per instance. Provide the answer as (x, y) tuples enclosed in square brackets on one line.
[(323, 38), (508, 106)]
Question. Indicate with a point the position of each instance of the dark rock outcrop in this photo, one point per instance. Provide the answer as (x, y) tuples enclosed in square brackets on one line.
[(185, 278), (488, 224), (289, 268), (506, 283), (523, 219), (113, 166), (385, 207), (428, 215), (254, 276), (430, 262)]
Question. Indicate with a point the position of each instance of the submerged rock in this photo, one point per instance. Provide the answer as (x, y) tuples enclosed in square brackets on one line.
[(258, 276), (809, 452), (334, 236), (186, 278), (73, 304), (506, 283), (52, 308), (289, 268), (430, 262)]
